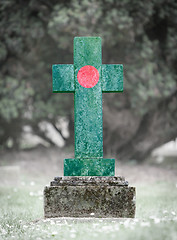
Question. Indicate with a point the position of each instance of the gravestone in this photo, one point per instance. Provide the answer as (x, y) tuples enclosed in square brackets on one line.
[(88, 187)]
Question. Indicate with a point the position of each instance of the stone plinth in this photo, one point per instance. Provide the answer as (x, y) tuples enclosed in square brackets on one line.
[(89, 167), (89, 197)]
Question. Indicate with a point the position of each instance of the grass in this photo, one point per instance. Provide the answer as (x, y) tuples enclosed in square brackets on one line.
[(21, 216), (21, 202)]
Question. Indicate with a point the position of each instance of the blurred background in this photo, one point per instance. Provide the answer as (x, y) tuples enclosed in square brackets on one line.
[(141, 35), (37, 126)]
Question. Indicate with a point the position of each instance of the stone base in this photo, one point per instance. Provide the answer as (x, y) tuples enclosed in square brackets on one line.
[(106, 197), (89, 167)]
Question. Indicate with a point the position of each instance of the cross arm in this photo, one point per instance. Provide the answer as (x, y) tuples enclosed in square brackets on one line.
[(112, 78), (63, 78)]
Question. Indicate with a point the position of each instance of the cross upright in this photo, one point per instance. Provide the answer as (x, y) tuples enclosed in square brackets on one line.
[(88, 78)]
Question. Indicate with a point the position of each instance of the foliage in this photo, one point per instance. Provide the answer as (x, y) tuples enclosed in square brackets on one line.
[(36, 34)]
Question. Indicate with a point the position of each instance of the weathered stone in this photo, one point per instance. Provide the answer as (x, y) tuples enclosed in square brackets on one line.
[(88, 101), (112, 77), (88, 124), (62, 72), (94, 194), (89, 197), (84, 181), (89, 167)]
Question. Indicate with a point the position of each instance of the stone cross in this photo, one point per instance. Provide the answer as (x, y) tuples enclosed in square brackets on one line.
[(88, 78)]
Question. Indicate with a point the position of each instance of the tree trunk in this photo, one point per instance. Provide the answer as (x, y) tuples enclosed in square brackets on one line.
[(156, 127)]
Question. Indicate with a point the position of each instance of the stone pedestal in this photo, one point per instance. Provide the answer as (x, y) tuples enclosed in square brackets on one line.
[(89, 197), (89, 167)]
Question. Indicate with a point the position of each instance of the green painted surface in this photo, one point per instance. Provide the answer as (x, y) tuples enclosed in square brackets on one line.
[(88, 101), (112, 77), (88, 107), (89, 167), (87, 51), (63, 78)]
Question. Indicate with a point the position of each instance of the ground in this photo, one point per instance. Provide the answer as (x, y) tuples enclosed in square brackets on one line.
[(24, 174)]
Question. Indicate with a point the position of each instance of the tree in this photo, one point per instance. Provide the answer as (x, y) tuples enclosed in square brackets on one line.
[(141, 35)]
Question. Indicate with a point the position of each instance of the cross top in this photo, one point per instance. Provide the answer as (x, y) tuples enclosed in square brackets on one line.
[(87, 78)]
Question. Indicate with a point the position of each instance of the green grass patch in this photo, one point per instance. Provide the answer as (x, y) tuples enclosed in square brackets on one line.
[(21, 216)]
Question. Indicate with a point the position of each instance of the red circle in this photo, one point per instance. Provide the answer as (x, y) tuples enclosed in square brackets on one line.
[(88, 76)]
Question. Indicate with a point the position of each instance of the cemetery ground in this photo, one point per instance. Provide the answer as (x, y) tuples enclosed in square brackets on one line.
[(24, 174)]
